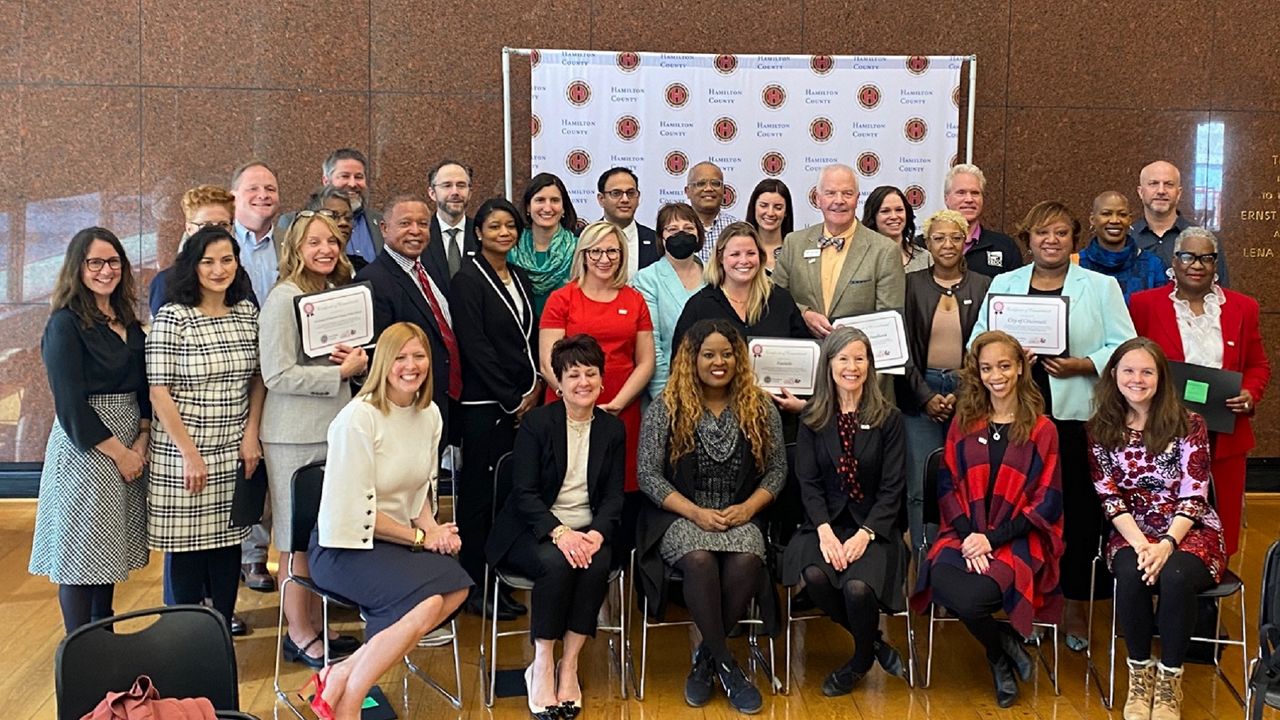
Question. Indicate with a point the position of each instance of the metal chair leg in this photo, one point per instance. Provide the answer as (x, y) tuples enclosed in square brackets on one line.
[(786, 660), (928, 669), (644, 648), (493, 639)]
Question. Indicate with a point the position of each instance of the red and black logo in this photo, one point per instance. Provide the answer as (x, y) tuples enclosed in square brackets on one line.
[(813, 197), (955, 96), (677, 95), (869, 96), (676, 162), (773, 96), (917, 64), (578, 93), (628, 61), (725, 129), (915, 196), (725, 64), (821, 129), (535, 58), (730, 196), (915, 130), (821, 64), (868, 164), (773, 163), (535, 125), (578, 161), (627, 127)]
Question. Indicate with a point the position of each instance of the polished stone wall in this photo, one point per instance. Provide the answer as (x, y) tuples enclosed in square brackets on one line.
[(112, 109)]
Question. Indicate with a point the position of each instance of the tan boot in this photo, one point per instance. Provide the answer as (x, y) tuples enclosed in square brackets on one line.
[(1167, 704), (1142, 688)]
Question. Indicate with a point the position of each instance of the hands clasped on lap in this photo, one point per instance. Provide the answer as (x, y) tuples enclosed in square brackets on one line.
[(841, 555)]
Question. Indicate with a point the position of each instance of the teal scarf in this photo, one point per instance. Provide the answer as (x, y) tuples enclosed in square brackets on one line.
[(548, 271)]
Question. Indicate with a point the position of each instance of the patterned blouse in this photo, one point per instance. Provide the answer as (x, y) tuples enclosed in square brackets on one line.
[(1156, 488)]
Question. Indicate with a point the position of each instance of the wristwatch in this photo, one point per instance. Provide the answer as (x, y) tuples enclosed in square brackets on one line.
[(870, 533), (419, 537)]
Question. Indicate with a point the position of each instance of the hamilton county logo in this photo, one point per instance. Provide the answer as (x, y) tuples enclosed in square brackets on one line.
[(773, 96), (868, 96), (676, 162), (677, 95), (726, 64), (917, 64), (955, 96), (730, 196), (821, 129), (628, 61), (535, 58), (821, 64), (535, 125), (915, 130), (915, 196), (628, 127), (725, 129), (578, 93), (577, 161), (773, 163), (813, 197), (868, 164)]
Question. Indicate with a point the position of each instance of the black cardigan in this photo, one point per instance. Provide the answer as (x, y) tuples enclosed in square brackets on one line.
[(922, 297), (497, 345), (781, 317)]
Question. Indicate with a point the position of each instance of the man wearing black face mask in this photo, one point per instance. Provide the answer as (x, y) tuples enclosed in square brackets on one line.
[(667, 283), (618, 192)]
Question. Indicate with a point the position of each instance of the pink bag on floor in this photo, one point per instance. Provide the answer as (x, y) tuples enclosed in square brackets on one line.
[(143, 702)]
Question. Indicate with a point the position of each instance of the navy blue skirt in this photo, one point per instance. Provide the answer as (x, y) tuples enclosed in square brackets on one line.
[(387, 581)]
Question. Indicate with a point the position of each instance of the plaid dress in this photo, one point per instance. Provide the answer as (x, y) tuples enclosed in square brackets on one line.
[(206, 363)]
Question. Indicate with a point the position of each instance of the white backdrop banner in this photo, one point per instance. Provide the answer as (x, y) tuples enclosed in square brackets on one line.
[(896, 120)]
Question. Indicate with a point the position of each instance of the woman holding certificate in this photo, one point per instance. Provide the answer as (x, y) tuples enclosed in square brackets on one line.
[(711, 460), (850, 462), (1000, 503), (1096, 326), (312, 259), (1199, 322)]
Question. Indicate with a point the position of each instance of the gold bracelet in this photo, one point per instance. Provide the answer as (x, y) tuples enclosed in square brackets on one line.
[(419, 537), (557, 533)]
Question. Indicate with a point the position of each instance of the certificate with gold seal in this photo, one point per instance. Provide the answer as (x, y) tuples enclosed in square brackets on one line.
[(329, 318), (783, 363), (1038, 322)]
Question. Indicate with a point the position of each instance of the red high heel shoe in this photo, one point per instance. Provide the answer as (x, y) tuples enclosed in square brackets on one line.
[(318, 704)]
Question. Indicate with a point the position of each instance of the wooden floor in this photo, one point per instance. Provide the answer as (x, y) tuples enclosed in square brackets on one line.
[(30, 630)]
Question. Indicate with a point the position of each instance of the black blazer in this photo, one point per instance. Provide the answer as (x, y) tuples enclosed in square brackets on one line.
[(922, 297), (397, 298), (435, 259), (497, 343), (649, 250), (882, 458), (539, 462), (990, 244), (781, 318)]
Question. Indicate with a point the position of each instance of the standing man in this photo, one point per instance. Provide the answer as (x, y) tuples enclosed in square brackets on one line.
[(1160, 189), (987, 251), (346, 170), (705, 190), (618, 192), (453, 234)]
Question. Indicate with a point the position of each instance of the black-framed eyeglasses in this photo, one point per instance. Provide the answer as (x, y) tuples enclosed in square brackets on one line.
[(597, 253), (216, 224), (1190, 258), (96, 264), (619, 194)]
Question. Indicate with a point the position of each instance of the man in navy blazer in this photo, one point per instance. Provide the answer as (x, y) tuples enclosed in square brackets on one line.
[(453, 233), (618, 192), (987, 251)]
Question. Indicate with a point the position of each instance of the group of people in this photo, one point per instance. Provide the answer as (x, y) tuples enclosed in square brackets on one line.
[(610, 361)]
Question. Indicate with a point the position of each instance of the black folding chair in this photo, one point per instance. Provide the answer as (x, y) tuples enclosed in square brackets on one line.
[(1264, 681), (187, 652)]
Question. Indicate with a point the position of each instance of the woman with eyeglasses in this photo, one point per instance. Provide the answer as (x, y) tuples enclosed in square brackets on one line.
[(202, 206), (91, 520), (312, 260), (548, 244), (1195, 320)]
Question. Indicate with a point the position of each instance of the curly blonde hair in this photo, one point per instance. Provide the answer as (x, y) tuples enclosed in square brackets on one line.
[(203, 195), (683, 396)]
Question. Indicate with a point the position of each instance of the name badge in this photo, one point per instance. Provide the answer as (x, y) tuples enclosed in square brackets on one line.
[(995, 257), (968, 301), (1231, 343), (622, 311), (866, 427), (982, 440), (813, 253)]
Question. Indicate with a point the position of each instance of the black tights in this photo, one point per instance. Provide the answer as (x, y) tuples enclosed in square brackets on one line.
[(717, 588), (1180, 580), (854, 607), (974, 599), (83, 604)]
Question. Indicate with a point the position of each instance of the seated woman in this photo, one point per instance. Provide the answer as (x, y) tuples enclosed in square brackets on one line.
[(711, 459), (559, 521), (1000, 502), (850, 464), (1150, 461), (382, 464)]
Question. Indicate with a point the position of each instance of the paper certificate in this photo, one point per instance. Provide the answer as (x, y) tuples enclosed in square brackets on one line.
[(888, 336), (330, 317), (784, 363), (1039, 322)]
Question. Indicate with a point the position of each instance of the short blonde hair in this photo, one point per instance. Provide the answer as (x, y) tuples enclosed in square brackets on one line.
[(294, 270), (593, 235), (205, 195), (946, 216), (384, 355)]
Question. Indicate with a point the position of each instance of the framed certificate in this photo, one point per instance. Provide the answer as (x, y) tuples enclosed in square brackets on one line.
[(1039, 322), (784, 363), (888, 336), (331, 317)]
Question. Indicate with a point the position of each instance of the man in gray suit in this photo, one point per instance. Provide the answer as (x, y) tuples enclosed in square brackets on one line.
[(838, 267)]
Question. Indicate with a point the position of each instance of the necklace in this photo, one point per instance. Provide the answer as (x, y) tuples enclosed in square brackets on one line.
[(997, 429), (579, 427)]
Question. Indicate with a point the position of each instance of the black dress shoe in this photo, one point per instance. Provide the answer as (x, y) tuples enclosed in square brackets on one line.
[(293, 653), (239, 628), (472, 606), (890, 659), (256, 576), (343, 645), (841, 681), (1018, 657), (509, 605), (1006, 684)]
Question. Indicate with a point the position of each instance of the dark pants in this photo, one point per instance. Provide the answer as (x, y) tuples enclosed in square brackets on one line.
[(190, 577), (1178, 583), (83, 604), (487, 435), (564, 598), (974, 599)]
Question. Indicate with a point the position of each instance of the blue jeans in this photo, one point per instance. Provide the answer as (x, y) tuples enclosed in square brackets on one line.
[(923, 437)]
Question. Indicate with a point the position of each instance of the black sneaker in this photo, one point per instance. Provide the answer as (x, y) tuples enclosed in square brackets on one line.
[(697, 687), (743, 695), (841, 681)]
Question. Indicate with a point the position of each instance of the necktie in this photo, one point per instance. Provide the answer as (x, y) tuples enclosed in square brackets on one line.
[(835, 242), (450, 342), (454, 252)]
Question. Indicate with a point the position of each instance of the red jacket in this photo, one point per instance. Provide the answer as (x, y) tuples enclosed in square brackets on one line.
[(1153, 317)]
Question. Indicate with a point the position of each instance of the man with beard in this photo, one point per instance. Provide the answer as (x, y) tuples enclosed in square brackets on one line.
[(453, 234), (618, 192)]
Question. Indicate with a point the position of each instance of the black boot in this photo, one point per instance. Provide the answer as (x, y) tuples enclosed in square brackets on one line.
[(1006, 684), (1022, 662)]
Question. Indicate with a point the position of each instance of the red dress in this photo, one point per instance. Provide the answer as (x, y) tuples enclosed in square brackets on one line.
[(615, 326)]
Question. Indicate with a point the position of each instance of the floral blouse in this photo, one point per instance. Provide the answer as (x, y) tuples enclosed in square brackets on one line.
[(1154, 488)]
